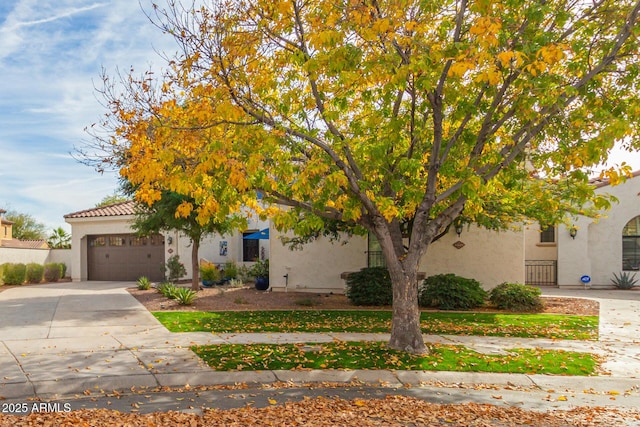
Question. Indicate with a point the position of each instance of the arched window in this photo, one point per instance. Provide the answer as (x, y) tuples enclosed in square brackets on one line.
[(631, 245)]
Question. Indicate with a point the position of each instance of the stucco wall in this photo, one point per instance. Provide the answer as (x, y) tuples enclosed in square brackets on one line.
[(38, 256), (534, 249), (487, 256), (490, 257), (317, 267), (597, 249)]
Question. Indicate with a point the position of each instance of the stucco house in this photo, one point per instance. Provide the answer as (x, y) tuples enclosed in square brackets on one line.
[(106, 248)]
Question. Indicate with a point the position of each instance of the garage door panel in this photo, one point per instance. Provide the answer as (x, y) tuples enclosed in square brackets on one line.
[(125, 257)]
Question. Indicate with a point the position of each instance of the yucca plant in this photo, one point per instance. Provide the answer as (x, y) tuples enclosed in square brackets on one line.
[(625, 280), (144, 283), (185, 296)]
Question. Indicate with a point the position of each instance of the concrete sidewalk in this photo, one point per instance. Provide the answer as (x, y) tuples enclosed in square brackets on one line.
[(67, 339)]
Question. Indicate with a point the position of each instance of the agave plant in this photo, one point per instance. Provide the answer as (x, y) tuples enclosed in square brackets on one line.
[(185, 296), (144, 283), (625, 280)]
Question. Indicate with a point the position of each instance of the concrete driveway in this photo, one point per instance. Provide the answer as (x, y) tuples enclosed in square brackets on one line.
[(65, 338)]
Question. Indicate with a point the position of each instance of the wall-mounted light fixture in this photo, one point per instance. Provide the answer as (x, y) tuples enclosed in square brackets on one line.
[(573, 231), (458, 228), (169, 240)]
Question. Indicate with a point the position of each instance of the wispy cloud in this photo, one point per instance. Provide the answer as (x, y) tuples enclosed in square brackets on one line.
[(64, 14)]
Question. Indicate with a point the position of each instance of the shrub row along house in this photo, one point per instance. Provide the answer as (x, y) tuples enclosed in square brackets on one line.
[(584, 253)]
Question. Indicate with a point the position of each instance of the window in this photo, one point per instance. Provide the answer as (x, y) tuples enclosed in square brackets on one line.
[(548, 235), (156, 240), (97, 241), (138, 241), (117, 241), (631, 245), (374, 253), (250, 248)]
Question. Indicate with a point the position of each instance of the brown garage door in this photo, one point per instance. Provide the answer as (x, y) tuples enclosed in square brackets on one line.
[(125, 257)]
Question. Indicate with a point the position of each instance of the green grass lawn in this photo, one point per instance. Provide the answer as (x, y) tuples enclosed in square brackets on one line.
[(376, 355), (482, 324)]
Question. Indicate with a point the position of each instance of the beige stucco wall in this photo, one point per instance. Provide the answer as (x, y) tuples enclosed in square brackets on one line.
[(490, 257), (534, 249), (487, 256), (38, 256), (597, 249), (317, 267)]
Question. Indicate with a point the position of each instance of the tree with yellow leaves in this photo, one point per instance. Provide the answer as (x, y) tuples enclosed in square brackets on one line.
[(395, 117)]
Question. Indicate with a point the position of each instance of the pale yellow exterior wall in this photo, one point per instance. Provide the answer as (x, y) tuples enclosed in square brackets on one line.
[(6, 233)]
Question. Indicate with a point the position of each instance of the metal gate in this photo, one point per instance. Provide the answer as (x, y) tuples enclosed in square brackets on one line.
[(541, 272)]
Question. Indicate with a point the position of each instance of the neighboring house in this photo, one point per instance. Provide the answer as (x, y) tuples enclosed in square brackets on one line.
[(7, 240), (598, 249), (105, 247)]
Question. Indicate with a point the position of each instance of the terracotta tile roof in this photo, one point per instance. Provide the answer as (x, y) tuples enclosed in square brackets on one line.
[(116, 209), (24, 244)]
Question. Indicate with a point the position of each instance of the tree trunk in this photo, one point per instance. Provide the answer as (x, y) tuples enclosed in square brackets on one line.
[(195, 265), (406, 334)]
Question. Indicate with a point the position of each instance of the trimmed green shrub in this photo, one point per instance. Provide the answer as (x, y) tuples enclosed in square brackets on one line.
[(14, 274), (143, 283), (63, 270), (175, 268), (35, 272), (370, 286), (184, 296), (451, 292), (52, 272), (516, 297), (2, 274)]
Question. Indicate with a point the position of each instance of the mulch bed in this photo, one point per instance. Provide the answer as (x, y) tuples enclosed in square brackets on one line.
[(224, 298)]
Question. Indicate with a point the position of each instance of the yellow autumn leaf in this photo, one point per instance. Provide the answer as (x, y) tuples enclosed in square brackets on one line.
[(272, 401)]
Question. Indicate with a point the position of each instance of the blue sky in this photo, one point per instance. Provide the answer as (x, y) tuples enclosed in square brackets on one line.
[(51, 56)]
